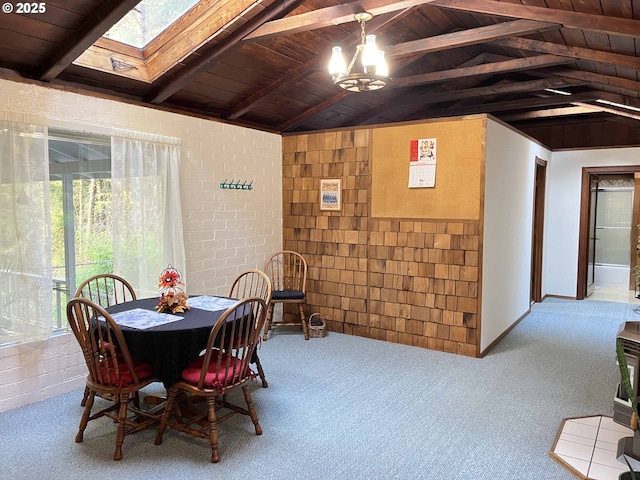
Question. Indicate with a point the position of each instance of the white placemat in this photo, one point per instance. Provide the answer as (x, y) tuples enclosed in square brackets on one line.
[(212, 304), (142, 319)]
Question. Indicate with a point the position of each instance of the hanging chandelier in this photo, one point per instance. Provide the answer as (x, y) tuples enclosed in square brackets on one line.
[(374, 74)]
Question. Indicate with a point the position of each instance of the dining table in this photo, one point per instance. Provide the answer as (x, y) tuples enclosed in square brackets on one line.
[(166, 341)]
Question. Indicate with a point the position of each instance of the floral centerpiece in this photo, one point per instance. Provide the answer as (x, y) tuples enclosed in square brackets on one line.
[(171, 297)]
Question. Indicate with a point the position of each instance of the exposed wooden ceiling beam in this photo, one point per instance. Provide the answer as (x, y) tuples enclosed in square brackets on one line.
[(614, 111), (548, 112), (291, 76), (538, 61), (472, 36), (510, 65), (623, 101), (302, 70), (586, 54), (325, 17), (546, 15), (499, 89), (524, 104), (630, 87), (310, 112), (441, 97), (231, 43), (585, 21), (106, 15), (437, 43)]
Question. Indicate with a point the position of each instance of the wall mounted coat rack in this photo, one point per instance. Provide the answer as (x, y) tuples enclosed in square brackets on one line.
[(233, 185)]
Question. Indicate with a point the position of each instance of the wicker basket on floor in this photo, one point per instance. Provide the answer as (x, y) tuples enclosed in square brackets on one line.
[(316, 326)]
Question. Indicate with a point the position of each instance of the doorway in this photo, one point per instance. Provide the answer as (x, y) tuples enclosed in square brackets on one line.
[(538, 230), (607, 249), (614, 215)]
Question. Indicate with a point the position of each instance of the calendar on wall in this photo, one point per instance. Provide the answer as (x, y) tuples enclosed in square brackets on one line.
[(422, 163)]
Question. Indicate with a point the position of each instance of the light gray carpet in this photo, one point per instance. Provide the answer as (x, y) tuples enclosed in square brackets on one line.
[(344, 407)]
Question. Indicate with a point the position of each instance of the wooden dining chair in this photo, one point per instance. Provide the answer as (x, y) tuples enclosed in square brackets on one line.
[(288, 273), (216, 373), (252, 283), (105, 289), (112, 373)]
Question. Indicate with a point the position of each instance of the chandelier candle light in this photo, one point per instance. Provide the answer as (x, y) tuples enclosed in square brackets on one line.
[(375, 73)]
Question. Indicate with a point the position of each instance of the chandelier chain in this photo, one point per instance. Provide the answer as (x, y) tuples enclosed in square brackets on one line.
[(359, 47)]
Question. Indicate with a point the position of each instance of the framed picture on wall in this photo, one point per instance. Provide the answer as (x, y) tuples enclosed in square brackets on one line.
[(330, 194)]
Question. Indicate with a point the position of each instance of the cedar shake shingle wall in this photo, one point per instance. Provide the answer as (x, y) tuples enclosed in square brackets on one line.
[(423, 284), (407, 280)]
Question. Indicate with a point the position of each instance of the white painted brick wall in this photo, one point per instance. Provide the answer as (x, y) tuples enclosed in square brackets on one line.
[(35, 371), (225, 231)]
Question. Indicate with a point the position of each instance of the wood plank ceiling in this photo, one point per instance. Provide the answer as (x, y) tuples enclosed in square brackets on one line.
[(263, 63)]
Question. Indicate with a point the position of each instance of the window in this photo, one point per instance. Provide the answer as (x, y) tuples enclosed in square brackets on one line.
[(74, 205), (81, 212)]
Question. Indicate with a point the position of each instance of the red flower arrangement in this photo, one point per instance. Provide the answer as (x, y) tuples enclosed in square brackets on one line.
[(170, 278), (171, 297)]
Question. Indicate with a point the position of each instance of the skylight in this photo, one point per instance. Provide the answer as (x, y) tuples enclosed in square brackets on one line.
[(157, 34), (147, 20)]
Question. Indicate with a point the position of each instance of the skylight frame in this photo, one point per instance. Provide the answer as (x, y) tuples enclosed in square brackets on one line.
[(206, 20)]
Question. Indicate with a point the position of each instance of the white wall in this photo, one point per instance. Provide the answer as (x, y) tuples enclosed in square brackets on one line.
[(226, 231), (562, 224), (508, 223)]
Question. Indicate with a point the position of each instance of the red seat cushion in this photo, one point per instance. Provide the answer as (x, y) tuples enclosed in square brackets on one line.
[(227, 374), (143, 371)]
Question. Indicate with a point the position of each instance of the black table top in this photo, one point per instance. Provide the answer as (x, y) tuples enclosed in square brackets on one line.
[(193, 318), (171, 347)]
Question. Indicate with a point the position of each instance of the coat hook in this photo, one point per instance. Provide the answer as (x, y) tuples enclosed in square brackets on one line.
[(236, 185)]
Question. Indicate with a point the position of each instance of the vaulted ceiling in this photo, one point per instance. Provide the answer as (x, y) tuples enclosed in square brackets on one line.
[(264, 63)]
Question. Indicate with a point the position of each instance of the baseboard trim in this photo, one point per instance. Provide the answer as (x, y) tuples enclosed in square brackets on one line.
[(503, 334), (563, 297)]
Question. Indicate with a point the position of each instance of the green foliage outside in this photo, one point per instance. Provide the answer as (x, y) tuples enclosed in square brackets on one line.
[(92, 224), (92, 228)]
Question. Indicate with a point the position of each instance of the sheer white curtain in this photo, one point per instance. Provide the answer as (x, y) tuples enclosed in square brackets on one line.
[(147, 219), (26, 293)]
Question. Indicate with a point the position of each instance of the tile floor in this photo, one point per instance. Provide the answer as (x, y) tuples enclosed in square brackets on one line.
[(587, 447), (614, 295)]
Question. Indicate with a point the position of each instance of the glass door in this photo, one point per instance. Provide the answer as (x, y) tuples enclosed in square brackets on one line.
[(591, 254)]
